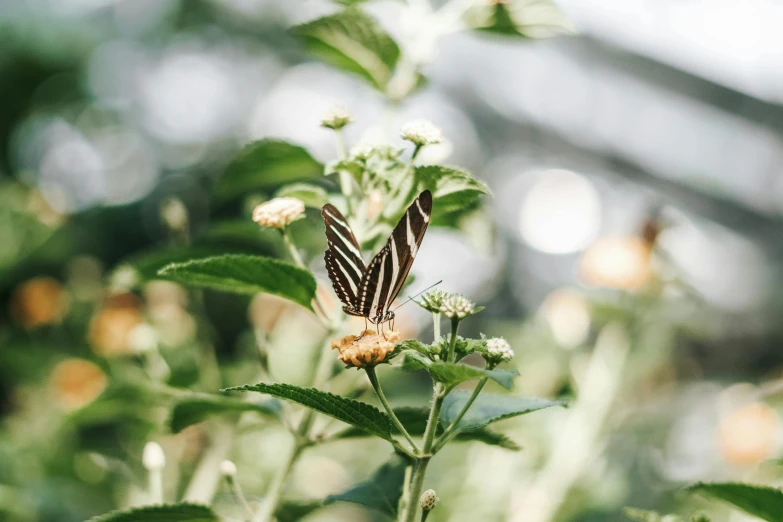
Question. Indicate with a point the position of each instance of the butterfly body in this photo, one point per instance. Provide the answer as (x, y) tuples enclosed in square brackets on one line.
[(369, 291)]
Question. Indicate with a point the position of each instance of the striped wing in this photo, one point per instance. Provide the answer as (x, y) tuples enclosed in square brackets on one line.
[(343, 256), (387, 271)]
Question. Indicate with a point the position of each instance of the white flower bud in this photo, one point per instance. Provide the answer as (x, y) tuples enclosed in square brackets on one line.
[(153, 457), (174, 214), (498, 350), (336, 118), (143, 338), (456, 306), (428, 500), (228, 469), (421, 132), (278, 212)]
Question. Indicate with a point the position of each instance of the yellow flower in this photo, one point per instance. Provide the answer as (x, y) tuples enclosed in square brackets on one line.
[(278, 212), (368, 349), (110, 329)]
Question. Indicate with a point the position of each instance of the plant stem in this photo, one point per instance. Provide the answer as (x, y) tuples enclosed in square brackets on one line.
[(240, 496), (292, 248), (453, 339), (379, 391), (436, 325), (267, 511), (444, 438), (417, 484)]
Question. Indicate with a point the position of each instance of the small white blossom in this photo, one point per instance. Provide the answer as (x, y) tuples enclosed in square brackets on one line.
[(498, 350), (432, 300), (336, 118), (228, 469), (421, 132), (143, 338), (428, 500), (278, 212), (456, 306), (174, 214), (153, 457)]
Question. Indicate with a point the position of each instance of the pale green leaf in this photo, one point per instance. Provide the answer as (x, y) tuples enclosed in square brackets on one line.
[(166, 513), (355, 413), (243, 274), (382, 492), (266, 164), (489, 408), (312, 196), (352, 41), (197, 407), (764, 502), (452, 374), (642, 515), (520, 18)]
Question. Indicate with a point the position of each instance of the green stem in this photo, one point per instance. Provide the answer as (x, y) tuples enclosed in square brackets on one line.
[(292, 248), (267, 511), (445, 436), (417, 484), (240, 497), (436, 325), (453, 339), (379, 391)]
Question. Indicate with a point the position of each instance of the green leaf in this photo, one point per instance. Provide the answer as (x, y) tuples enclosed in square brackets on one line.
[(352, 41), (489, 408), (415, 421), (642, 515), (295, 511), (520, 18), (764, 502), (243, 274), (453, 190), (197, 407), (382, 492), (312, 196), (452, 374), (417, 346), (414, 360), (168, 513), (266, 164), (355, 413)]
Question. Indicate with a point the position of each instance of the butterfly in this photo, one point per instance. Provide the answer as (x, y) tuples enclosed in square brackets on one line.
[(369, 291)]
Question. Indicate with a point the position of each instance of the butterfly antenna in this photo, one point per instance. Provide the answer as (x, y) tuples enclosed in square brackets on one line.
[(417, 295)]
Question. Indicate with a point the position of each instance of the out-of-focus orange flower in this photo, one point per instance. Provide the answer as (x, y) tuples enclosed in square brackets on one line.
[(568, 316), (39, 301), (374, 204), (113, 323), (367, 350), (749, 434), (77, 382), (617, 262)]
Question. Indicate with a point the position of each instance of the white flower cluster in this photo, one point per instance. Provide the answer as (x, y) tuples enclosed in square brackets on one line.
[(428, 500), (278, 212), (336, 118), (498, 350), (421, 132), (456, 306)]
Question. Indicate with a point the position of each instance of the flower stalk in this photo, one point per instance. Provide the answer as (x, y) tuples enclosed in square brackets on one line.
[(376, 385)]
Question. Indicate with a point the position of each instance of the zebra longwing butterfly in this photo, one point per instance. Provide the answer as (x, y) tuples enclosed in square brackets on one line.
[(369, 291)]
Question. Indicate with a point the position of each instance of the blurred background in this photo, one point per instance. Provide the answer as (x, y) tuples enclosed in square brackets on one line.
[(637, 211)]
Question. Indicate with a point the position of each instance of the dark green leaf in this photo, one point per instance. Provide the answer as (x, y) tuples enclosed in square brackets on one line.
[(197, 407), (243, 274), (382, 492), (761, 501), (489, 408), (415, 422), (355, 413), (312, 196), (414, 360), (353, 41), (168, 513), (295, 511), (265, 164)]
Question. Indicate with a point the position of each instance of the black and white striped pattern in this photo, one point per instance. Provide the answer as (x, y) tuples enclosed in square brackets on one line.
[(370, 292)]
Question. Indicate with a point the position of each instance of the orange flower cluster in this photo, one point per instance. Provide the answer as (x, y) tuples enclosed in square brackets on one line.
[(368, 349)]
